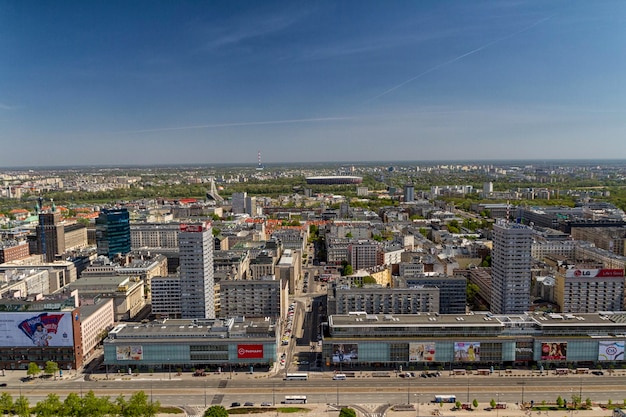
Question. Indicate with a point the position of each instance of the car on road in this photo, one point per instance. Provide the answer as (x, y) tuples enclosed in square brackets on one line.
[(248, 404), (235, 404), (266, 404), (3, 384), (598, 373)]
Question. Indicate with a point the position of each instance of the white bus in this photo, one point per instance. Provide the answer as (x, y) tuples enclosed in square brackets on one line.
[(295, 399), (297, 376), (445, 398)]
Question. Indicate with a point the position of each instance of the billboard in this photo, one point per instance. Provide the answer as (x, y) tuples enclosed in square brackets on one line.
[(422, 352), (249, 351), (467, 351), (129, 353), (554, 351), (36, 329), (345, 352), (594, 273), (611, 350)]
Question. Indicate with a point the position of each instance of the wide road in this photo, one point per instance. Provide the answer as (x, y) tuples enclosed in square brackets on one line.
[(322, 389)]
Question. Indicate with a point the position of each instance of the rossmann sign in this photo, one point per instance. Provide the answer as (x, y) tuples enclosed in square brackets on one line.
[(249, 351), (594, 273)]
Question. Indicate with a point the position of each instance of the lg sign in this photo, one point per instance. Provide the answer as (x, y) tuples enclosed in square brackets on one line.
[(249, 351)]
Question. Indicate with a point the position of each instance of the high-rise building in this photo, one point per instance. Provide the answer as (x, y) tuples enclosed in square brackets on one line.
[(409, 193), (195, 243), (589, 289), (113, 232), (50, 235), (510, 268), (239, 202)]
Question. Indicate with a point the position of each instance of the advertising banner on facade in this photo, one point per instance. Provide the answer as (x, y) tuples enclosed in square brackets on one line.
[(249, 351), (611, 350), (524, 351), (36, 329), (129, 353), (593, 273), (466, 351), (554, 351), (422, 352), (347, 352)]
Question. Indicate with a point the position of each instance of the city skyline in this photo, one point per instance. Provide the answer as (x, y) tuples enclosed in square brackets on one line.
[(153, 83)]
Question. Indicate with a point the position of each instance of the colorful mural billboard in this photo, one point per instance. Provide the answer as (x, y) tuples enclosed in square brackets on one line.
[(466, 351), (345, 352), (36, 329), (554, 351), (422, 352), (129, 353)]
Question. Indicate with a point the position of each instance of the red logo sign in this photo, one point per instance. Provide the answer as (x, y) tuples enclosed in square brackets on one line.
[(611, 273), (249, 351)]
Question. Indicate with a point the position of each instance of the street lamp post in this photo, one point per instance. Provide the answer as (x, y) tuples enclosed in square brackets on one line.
[(498, 404), (408, 390), (337, 392), (205, 393), (418, 405), (169, 368)]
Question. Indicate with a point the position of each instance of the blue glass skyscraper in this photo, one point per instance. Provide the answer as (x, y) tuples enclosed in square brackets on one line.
[(113, 232)]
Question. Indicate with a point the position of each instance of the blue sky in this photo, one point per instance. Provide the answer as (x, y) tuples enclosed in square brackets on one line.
[(154, 82)]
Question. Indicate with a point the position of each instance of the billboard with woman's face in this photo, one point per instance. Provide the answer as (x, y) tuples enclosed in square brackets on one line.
[(422, 352), (467, 351), (554, 351)]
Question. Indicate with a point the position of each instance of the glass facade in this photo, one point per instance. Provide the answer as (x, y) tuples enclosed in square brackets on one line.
[(113, 232)]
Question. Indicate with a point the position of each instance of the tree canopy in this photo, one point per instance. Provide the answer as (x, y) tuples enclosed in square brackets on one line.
[(216, 411), (347, 412)]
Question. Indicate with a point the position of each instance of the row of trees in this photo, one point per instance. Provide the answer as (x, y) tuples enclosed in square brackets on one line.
[(50, 368), (138, 405)]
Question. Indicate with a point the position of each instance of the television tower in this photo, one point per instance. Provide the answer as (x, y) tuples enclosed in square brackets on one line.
[(260, 166)]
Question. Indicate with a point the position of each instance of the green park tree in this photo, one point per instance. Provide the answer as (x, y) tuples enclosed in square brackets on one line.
[(51, 368), (475, 403), (457, 404), (6, 403), (72, 405), (22, 407), (216, 411), (559, 401), (347, 270), (492, 403), (347, 412), (51, 406), (33, 370)]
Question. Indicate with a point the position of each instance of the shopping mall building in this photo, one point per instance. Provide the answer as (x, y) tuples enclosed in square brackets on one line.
[(474, 340), (215, 344)]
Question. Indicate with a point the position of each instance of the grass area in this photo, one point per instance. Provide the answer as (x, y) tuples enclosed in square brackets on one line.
[(170, 410), (257, 410)]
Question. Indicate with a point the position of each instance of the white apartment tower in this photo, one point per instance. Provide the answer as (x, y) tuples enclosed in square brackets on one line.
[(195, 243), (510, 268)]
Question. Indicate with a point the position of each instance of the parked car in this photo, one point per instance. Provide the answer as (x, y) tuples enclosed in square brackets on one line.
[(235, 404), (248, 404), (266, 404)]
